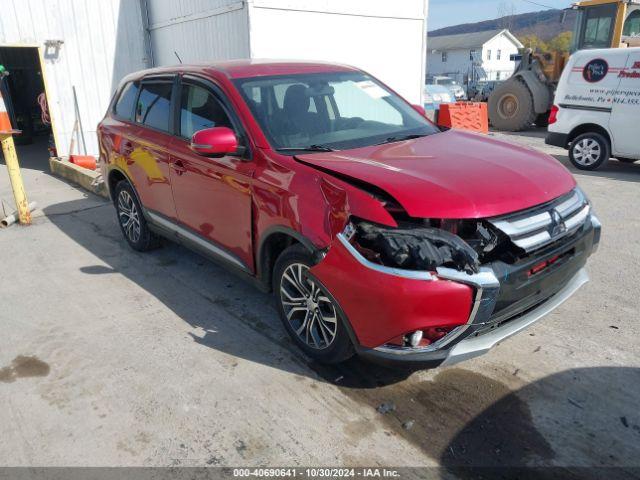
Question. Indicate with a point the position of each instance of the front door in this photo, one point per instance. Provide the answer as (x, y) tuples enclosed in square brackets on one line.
[(626, 109), (212, 195)]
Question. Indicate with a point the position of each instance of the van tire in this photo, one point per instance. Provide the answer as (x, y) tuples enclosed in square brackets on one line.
[(511, 106), (340, 347), (589, 151)]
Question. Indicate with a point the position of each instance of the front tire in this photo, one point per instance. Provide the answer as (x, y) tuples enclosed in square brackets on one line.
[(131, 220), (511, 107), (589, 151), (309, 313)]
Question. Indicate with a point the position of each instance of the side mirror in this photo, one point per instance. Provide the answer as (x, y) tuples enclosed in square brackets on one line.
[(216, 141), (420, 109)]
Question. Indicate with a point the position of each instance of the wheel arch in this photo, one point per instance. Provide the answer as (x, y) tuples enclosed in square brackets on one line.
[(540, 91), (588, 128), (115, 176), (272, 243)]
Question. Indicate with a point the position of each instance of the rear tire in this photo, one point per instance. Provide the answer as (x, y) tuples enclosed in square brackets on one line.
[(131, 219), (511, 107), (589, 151), (308, 312)]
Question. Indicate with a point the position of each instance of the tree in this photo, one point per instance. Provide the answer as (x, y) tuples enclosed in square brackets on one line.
[(506, 12), (534, 42), (561, 42)]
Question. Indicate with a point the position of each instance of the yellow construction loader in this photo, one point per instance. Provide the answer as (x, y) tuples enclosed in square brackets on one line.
[(526, 97)]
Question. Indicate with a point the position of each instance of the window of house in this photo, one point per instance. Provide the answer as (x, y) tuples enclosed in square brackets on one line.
[(124, 105), (200, 109), (444, 56), (154, 105), (498, 75), (488, 54), (499, 55)]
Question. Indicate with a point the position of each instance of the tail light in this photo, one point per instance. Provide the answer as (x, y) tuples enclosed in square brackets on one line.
[(553, 115)]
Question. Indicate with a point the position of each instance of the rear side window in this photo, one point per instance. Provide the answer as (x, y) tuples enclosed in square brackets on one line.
[(154, 105), (124, 106), (200, 109)]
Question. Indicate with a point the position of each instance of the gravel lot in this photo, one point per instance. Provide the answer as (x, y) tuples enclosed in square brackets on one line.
[(113, 358)]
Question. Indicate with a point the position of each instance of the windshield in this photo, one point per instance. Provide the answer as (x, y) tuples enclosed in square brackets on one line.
[(595, 27), (329, 111)]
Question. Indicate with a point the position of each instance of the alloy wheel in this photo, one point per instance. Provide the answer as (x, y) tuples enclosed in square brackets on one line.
[(129, 216), (309, 311), (587, 152)]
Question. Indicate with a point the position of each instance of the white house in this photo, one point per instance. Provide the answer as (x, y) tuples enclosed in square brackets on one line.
[(87, 46), (473, 56)]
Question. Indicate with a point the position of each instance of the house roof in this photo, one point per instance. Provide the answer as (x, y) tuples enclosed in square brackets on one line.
[(465, 41)]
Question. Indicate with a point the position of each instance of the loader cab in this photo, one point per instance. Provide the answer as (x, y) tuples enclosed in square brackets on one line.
[(606, 24)]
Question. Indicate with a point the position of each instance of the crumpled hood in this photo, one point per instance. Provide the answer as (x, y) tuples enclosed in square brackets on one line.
[(453, 174)]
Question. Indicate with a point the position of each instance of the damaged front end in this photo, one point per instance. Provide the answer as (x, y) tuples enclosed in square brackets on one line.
[(402, 294), (426, 245), (427, 291)]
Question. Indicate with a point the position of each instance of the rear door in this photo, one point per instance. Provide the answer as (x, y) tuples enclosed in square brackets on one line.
[(626, 109), (212, 195), (146, 148)]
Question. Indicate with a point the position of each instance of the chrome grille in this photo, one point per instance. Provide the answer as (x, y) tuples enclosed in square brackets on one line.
[(541, 226)]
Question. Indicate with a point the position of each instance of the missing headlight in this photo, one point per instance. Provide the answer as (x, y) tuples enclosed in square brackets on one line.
[(416, 248)]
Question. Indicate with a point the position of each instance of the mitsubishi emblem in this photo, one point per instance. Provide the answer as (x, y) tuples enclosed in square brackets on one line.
[(557, 224)]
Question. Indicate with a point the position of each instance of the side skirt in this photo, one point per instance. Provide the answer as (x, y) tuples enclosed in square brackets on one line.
[(179, 234)]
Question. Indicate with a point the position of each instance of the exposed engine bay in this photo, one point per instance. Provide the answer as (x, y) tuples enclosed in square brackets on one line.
[(421, 248)]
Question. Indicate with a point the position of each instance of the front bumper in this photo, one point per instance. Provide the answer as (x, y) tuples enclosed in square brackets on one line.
[(500, 300), (475, 345)]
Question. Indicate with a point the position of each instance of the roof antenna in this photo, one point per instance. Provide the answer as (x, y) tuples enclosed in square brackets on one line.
[(177, 56)]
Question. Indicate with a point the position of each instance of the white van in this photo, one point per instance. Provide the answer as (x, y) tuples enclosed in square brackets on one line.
[(596, 111)]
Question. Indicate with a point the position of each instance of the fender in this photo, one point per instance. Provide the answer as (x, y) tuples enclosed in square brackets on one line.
[(541, 93)]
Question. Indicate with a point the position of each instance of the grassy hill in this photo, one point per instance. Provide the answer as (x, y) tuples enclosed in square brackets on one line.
[(545, 24)]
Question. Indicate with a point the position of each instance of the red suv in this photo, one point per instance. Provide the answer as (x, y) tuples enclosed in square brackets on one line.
[(379, 233)]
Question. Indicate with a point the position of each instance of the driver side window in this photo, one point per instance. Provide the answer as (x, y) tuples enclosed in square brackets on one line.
[(200, 109)]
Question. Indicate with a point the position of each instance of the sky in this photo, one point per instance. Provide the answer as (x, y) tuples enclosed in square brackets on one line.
[(444, 13)]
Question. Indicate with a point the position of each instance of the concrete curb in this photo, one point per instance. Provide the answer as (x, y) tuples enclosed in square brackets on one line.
[(88, 179)]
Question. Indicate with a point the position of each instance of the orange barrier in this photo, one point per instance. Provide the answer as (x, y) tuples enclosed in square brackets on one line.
[(84, 161), (465, 116)]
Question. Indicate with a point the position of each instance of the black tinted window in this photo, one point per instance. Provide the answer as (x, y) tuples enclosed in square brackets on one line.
[(124, 106), (154, 105), (200, 109)]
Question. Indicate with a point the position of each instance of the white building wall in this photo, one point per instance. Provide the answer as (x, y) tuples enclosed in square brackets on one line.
[(381, 37), (103, 41), (458, 63), (504, 66), (198, 30)]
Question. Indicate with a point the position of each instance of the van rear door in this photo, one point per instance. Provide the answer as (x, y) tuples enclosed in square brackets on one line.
[(626, 108)]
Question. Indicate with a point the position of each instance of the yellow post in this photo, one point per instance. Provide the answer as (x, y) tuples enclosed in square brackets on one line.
[(11, 159)]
